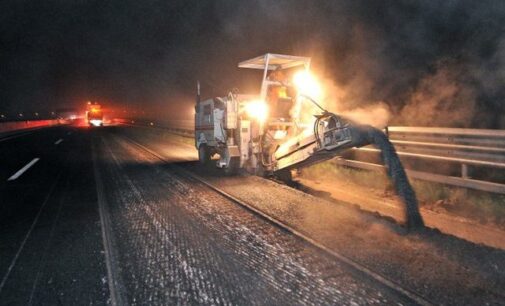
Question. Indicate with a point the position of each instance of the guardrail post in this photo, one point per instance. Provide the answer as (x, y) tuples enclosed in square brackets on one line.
[(464, 171)]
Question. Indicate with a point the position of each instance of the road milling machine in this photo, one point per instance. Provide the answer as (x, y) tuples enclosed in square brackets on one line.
[(283, 128)]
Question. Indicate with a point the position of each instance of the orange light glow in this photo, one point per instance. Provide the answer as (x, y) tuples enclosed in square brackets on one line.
[(307, 85), (283, 92)]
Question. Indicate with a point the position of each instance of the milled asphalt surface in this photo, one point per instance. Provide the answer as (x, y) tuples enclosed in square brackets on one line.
[(188, 245)]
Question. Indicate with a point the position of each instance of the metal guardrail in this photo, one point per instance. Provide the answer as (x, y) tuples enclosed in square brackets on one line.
[(13, 127), (464, 147), (185, 132), (431, 177)]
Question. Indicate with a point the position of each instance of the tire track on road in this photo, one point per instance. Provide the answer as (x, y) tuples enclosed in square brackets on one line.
[(117, 295)]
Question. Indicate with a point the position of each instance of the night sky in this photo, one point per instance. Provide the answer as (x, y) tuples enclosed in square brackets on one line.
[(439, 63)]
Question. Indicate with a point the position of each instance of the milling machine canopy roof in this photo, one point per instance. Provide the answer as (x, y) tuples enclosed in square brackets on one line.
[(275, 61)]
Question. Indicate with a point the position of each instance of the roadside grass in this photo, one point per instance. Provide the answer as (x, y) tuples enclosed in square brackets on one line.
[(476, 205), (360, 177)]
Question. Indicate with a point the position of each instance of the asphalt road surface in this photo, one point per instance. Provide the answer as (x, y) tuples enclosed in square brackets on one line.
[(89, 217), (51, 249)]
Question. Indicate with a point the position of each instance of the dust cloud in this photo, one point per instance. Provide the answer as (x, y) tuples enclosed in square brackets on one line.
[(441, 99)]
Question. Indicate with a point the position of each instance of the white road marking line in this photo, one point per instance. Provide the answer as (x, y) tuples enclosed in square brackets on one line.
[(23, 170), (58, 141)]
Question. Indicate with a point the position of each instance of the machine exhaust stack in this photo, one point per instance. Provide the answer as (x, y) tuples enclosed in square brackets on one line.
[(197, 92)]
